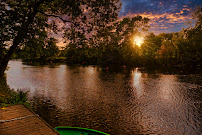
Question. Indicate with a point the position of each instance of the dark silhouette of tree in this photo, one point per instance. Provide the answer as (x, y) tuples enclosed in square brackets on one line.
[(26, 20)]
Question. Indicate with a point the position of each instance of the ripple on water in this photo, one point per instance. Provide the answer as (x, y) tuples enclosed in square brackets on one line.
[(124, 102)]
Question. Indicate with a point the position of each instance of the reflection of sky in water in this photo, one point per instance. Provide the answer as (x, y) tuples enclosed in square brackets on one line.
[(167, 87), (119, 103), (16, 76), (137, 82)]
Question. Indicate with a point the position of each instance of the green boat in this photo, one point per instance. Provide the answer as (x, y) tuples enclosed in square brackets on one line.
[(78, 131)]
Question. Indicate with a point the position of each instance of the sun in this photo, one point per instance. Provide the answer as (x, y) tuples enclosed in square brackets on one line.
[(138, 40)]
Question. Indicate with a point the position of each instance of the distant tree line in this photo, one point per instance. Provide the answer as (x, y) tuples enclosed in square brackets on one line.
[(179, 48), (114, 45)]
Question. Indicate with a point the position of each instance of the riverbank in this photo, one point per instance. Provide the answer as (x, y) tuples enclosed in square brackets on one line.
[(11, 97), (46, 61)]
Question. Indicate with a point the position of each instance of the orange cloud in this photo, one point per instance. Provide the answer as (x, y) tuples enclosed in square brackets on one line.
[(164, 21)]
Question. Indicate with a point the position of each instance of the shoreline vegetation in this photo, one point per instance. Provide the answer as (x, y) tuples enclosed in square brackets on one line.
[(10, 96), (165, 69), (105, 64)]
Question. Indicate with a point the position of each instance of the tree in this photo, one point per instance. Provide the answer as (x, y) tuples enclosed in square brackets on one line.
[(40, 51), (167, 52), (32, 50), (193, 38), (51, 49), (149, 48), (115, 41), (25, 20)]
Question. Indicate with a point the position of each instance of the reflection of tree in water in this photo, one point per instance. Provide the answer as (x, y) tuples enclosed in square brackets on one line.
[(46, 109), (42, 64), (192, 79), (179, 70)]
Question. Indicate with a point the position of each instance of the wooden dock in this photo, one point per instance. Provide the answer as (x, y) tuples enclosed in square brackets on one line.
[(19, 120)]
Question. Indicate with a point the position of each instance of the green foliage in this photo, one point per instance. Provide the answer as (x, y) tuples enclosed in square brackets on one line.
[(13, 97), (9, 96), (149, 48), (42, 51), (85, 55), (51, 49), (173, 50)]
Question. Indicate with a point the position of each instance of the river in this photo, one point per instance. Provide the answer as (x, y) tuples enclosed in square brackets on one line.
[(118, 101)]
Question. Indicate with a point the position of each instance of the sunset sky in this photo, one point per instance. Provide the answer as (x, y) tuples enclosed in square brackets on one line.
[(165, 15)]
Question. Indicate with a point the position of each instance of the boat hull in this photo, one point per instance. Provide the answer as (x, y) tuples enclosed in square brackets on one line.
[(78, 131)]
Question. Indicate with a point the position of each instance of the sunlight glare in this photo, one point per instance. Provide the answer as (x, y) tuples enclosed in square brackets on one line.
[(138, 40)]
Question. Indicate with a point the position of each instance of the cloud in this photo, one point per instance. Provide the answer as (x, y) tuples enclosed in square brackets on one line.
[(165, 22), (165, 15)]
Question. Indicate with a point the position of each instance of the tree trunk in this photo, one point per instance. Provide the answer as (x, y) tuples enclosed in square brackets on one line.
[(3, 85), (4, 63), (7, 57), (2, 69)]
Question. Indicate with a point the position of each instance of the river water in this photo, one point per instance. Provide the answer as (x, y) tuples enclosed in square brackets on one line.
[(118, 101)]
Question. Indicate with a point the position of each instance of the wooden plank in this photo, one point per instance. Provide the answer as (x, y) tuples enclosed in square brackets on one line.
[(14, 112), (33, 125)]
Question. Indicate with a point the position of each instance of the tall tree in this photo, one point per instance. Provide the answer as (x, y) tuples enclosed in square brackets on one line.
[(24, 20), (149, 48), (193, 37)]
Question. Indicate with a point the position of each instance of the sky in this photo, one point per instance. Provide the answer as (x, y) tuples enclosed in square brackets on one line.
[(165, 16)]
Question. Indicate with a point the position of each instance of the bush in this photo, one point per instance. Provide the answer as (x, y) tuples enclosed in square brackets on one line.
[(14, 97)]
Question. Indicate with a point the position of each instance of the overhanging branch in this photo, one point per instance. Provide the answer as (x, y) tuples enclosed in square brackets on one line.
[(56, 16)]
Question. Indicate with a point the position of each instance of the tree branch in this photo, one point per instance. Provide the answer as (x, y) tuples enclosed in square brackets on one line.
[(56, 16)]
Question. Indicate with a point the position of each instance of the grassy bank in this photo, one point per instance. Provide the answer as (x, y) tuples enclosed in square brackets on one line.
[(9, 96)]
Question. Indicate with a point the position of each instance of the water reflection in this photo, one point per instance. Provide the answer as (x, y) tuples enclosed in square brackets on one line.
[(119, 102), (137, 82), (167, 87)]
